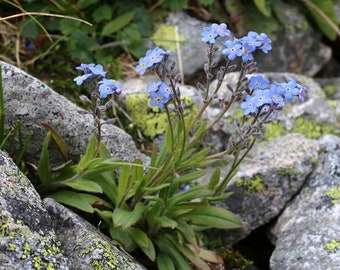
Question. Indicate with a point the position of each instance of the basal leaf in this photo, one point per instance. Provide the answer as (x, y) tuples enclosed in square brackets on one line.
[(123, 237), (85, 185), (58, 140), (143, 241), (324, 14), (90, 153), (212, 216), (214, 179), (164, 262), (125, 219), (156, 188), (73, 199), (118, 23), (44, 170)]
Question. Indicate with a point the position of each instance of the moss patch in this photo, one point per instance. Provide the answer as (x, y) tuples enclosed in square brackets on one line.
[(151, 120), (289, 171), (274, 130), (251, 185)]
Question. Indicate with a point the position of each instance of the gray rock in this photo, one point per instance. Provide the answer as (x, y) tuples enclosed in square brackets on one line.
[(83, 245), (307, 234), (27, 238), (32, 102), (297, 47), (267, 181)]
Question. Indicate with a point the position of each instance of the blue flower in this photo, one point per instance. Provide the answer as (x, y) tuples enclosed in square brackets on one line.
[(80, 79), (233, 49), (166, 90), (108, 87), (153, 87), (247, 52), (152, 57), (262, 97), (249, 105), (276, 97), (289, 89), (302, 92), (222, 30), (143, 65), (90, 71), (158, 99), (209, 34), (265, 43), (258, 82)]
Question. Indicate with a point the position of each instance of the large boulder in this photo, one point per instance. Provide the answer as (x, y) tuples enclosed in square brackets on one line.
[(307, 233), (33, 103), (46, 235)]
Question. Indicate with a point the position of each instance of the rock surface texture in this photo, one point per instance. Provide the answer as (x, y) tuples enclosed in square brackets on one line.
[(307, 233)]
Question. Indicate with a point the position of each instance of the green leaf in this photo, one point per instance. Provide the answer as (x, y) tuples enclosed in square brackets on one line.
[(109, 187), (189, 177), (189, 254), (125, 218), (102, 13), (86, 3), (96, 201), (186, 196), (73, 199), (325, 16), (124, 183), (104, 215), (214, 179), (118, 23), (156, 188), (85, 185), (168, 248), (175, 5), (58, 140), (165, 222), (44, 170), (143, 241), (90, 154), (123, 237), (263, 6), (206, 2), (212, 216), (102, 167), (164, 262)]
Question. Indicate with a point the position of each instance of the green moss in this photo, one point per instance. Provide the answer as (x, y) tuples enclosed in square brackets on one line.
[(313, 160), (151, 120), (274, 130), (329, 90), (289, 171), (313, 130), (334, 194), (251, 185), (333, 245)]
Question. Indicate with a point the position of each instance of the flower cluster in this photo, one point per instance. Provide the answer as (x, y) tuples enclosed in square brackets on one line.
[(264, 96), (245, 46), (106, 86), (209, 34), (160, 93), (151, 58)]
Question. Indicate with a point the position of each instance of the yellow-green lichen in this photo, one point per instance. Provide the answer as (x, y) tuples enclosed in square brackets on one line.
[(333, 245), (329, 90), (334, 194), (149, 119), (288, 171), (251, 185), (274, 130), (108, 260), (313, 130)]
